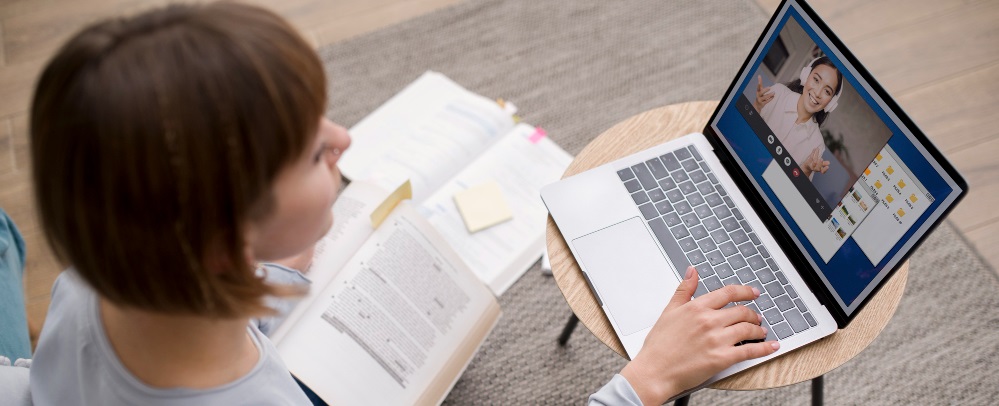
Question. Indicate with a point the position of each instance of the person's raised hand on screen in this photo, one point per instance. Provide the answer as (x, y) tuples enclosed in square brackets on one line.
[(695, 339), (763, 94), (814, 163)]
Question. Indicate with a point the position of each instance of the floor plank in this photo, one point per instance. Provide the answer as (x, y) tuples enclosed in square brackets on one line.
[(308, 15), (19, 142), (17, 200), (981, 168), (370, 20), (16, 84), (853, 20), (932, 49), (957, 112), (14, 8), (3, 57), (769, 6), (6, 147), (36, 34), (44, 267)]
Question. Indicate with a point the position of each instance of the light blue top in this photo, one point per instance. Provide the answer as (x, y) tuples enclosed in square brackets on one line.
[(75, 365), (617, 392)]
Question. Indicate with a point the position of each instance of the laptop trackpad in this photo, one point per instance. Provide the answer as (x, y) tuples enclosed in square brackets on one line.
[(629, 273)]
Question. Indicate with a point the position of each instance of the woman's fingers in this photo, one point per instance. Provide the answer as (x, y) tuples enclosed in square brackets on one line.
[(738, 314), (686, 289), (728, 294), (738, 333), (753, 350)]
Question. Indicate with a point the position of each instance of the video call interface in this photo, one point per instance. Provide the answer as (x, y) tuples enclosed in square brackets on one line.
[(851, 184)]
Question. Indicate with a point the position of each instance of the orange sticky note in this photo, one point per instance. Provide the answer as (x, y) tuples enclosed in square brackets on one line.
[(913, 198), (878, 157), (890, 170), (877, 184), (901, 212), (867, 171), (901, 184), (889, 198)]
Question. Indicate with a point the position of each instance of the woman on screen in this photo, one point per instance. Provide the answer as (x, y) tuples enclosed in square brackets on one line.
[(795, 111)]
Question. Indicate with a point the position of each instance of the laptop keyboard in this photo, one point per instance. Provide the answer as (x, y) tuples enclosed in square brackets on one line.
[(696, 222)]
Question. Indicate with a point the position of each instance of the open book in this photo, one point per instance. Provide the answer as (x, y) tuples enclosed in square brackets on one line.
[(445, 139), (393, 315), (397, 309)]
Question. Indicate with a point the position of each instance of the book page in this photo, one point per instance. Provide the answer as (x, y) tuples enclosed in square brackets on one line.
[(351, 227), (521, 164), (384, 330), (426, 133)]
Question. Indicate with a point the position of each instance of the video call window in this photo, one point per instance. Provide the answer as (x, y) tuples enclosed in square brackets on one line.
[(824, 132)]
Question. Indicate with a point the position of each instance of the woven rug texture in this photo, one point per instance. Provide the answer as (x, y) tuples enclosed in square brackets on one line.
[(578, 67)]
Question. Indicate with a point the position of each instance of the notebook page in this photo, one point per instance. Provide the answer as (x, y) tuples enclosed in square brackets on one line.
[(426, 133), (521, 163)]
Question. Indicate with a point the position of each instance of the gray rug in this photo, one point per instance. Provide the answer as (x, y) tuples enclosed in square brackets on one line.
[(576, 68)]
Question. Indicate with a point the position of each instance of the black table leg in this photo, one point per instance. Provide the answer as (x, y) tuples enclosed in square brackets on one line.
[(567, 331), (817, 391)]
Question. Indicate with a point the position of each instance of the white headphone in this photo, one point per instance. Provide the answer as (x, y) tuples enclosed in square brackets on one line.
[(804, 78)]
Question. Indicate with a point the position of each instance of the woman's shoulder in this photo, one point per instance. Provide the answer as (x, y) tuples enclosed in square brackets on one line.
[(69, 294), (73, 353)]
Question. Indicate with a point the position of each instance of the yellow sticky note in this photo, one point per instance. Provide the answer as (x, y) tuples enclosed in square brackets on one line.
[(404, 191), (877, 184), (913, 198), (867, 171), (482, 206), (901, 212), (889, 198), (878, 157), (890, 170), (901, 184)]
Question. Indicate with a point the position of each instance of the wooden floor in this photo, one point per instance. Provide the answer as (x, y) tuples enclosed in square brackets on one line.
[(940, 58)]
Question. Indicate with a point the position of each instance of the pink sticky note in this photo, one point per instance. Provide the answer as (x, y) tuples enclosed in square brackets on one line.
[(539, 133)]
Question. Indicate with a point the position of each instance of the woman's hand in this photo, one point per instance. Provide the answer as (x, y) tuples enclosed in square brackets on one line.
[(763, 95), (694, 340), (814, 163)]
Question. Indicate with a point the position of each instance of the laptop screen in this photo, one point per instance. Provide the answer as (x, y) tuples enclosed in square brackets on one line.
[(849, 181)]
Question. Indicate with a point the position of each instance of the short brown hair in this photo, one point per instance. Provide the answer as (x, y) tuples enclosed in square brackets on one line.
[(156, 139)]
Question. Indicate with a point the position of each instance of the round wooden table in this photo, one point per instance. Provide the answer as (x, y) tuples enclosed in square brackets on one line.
[(654, 127)]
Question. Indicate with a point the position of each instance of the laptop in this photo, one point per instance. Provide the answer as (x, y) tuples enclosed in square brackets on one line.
[(808, 183)]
